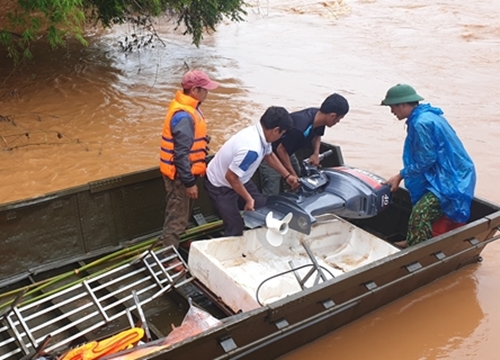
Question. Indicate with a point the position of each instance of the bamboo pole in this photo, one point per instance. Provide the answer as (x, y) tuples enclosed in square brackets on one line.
[(127, 254)]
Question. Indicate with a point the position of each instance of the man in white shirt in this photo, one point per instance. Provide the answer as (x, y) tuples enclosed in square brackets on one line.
[(228, 179)]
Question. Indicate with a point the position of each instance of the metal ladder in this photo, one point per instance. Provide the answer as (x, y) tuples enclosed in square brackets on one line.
[(70, 314)]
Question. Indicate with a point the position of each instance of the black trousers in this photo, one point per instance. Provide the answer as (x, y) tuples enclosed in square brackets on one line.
[(229, 203)]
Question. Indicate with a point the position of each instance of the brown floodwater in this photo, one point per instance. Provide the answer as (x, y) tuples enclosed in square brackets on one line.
[(82, 114)]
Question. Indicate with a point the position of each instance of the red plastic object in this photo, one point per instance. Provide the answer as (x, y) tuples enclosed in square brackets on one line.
[(444, 224)]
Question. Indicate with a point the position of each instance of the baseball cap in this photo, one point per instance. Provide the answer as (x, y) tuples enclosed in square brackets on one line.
[(197, 78)]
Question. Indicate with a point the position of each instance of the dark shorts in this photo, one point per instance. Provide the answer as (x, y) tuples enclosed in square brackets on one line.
[(272, 182)]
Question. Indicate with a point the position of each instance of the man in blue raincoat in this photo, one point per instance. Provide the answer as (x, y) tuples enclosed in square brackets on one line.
[(438, 172)]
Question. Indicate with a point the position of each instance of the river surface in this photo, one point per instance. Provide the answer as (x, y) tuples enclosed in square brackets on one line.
[(82, 114)]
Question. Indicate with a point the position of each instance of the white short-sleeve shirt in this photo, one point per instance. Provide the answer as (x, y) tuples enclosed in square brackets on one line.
[(242, 154)]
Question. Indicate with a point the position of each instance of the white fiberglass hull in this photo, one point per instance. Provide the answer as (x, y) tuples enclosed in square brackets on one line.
[(234, 268)]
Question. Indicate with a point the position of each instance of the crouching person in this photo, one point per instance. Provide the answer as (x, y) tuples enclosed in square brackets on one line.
[(228, 179)]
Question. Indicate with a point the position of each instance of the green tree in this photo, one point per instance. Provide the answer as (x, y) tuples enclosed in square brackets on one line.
[(56, 20)]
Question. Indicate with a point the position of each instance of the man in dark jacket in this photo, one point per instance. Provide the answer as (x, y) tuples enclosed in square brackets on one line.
[(307, 129)]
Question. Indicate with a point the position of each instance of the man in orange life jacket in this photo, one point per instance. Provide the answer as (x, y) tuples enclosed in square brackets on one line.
[(183, 152)]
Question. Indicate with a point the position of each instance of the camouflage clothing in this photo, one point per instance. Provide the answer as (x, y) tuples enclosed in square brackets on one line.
[(424, 213), (176, 212)]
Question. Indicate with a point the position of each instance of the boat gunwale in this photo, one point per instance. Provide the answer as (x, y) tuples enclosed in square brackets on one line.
[(322, 293)]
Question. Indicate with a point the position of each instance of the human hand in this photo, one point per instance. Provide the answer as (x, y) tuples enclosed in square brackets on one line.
[(293, 182), (250, 205), (394, 181), (192, 192), (314, 160)]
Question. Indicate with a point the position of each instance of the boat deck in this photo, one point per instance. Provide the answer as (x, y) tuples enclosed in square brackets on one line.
[(90, 305), (45, 239)]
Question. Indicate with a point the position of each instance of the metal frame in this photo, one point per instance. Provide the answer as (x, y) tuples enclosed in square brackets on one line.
[(93, 303)]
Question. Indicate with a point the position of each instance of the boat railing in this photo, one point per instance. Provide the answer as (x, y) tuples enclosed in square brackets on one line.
[(107, 299)]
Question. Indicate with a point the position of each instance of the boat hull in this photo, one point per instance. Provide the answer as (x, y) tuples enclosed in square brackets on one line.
[(41, 235), (273, 330)]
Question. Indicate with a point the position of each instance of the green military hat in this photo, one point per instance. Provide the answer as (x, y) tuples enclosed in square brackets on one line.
[(399, 94)]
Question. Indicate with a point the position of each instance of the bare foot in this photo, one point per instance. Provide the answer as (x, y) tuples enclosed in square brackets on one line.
[(401, 244)]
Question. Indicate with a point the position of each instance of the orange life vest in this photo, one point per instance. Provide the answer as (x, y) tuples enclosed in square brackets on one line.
[(98, 349), (198, 152)]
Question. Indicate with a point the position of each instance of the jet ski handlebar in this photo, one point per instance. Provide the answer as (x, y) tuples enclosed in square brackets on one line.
[(321, 156), (313, 178)]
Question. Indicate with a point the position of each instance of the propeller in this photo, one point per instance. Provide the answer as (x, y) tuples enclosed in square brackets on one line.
[(276, 229)]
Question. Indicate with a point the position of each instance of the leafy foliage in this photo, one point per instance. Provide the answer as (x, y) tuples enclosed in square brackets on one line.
[(56, 20)]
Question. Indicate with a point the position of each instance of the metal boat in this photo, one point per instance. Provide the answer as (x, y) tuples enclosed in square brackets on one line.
[(81, 264)]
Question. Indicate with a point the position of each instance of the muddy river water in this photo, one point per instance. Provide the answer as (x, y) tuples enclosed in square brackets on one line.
[(82, 114)]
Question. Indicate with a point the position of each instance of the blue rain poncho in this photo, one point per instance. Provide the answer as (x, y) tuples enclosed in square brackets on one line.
[(435, 160)]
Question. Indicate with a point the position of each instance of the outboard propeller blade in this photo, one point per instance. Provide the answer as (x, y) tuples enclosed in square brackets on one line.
[(276, 229)]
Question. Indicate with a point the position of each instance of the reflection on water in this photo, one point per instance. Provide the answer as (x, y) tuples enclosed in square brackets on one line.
[(95, 112)]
